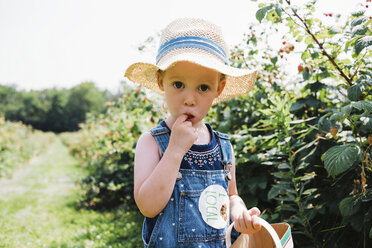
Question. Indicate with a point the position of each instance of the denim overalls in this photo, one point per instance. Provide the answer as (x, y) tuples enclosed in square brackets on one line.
[(180, 223)]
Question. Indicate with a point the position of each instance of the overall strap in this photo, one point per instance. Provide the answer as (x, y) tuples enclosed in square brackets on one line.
[(161, 135), (225, 146)]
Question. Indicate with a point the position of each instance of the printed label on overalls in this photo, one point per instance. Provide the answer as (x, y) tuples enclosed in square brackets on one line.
[(214, 206)]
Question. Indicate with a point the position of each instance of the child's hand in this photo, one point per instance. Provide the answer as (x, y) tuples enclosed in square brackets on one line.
[(183, 135), (248, 221)]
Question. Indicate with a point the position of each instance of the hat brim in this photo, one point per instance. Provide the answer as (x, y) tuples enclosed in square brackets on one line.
[(238, 81)]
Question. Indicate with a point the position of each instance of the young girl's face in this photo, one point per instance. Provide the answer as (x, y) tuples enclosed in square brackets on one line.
[(190, 89)]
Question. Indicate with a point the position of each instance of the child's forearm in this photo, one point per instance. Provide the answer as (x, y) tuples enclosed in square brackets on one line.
[(155, 192)]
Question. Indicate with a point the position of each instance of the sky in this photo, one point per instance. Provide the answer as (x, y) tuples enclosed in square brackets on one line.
[(61, 43)]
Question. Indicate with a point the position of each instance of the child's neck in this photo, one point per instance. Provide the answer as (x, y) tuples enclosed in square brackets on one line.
[(204, 136)]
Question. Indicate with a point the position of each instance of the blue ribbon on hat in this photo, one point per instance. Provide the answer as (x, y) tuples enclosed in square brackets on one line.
[(191, 41)]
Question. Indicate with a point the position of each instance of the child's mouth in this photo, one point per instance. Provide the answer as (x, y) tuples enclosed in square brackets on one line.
[(190, 117)]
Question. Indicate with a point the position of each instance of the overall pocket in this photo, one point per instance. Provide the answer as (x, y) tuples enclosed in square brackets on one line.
[(191, 226), (150, 230)]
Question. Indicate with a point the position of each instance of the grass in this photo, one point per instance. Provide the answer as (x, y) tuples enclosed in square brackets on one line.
[(38, 208)]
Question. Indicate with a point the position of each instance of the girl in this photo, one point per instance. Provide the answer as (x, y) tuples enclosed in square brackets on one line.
[(184, 174)]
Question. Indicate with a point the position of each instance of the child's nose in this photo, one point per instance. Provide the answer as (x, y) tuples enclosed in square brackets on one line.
[(189, 99)]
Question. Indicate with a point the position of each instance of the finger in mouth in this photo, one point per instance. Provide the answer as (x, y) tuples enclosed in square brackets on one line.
[(189, 117)]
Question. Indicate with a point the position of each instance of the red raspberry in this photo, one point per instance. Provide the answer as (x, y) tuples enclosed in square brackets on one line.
[(300, 67)]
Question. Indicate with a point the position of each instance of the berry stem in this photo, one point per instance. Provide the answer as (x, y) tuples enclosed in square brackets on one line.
[(320, 45)]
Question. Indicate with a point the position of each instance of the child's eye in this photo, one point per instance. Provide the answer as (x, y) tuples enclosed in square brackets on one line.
[(203, 87), (178, 85)]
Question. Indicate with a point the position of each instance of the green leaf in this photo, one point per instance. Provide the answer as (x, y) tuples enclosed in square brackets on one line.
[(346, 109), (366, 127), (274, 60), (358, 13), (297, 105), (299, 38), (351, 42), (340, 158), (334, 30), (309, 40), (324, 34), (349, 206), (336, 116), (346, 61), (283, 166), (309, 191), (370, 233), (358, 21), (305, 55), (324, 124), (273, 192), (314, 55), (367, 78), (308, 176), (260, 14), (295, 32), (313, 102), (273, 16), (278, 10), (294, 122), (355, 91), (359, 30), (306, 74), (315, 87), (362, 43), (363, 105)]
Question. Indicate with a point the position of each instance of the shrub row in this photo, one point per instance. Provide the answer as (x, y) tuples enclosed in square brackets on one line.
[(17, 144)]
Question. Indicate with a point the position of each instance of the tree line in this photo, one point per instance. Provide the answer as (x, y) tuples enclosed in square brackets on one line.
[(56, 110)]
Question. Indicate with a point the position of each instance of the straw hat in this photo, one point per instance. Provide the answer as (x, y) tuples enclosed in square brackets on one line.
[(200, 42)]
